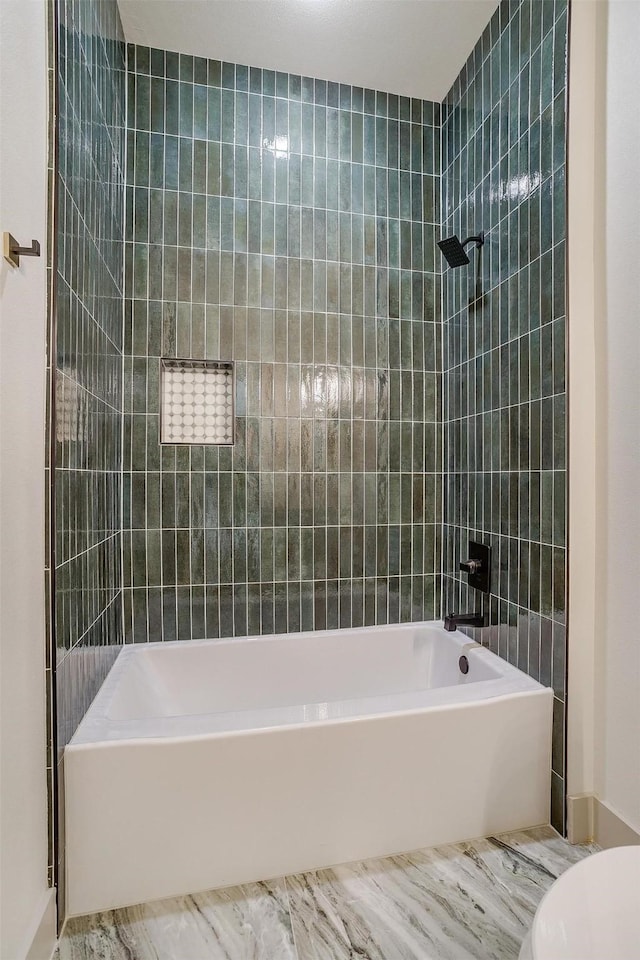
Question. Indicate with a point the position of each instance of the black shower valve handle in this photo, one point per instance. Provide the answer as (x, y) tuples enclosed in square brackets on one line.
[(478, 565)]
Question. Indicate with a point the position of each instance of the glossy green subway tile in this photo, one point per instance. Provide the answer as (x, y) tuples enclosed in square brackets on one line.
[(521, 87)]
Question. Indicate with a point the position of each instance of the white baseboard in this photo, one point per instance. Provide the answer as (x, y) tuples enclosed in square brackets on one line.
[(590, 819), (42, 938), (610, 829), (580, 819)]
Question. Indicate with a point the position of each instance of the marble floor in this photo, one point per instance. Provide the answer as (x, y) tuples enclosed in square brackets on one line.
[(447, 903)]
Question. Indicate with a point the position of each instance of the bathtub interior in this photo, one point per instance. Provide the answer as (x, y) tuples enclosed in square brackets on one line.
[(183, 679)]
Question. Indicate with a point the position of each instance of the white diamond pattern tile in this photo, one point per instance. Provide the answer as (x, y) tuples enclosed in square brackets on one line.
[(197, 402)]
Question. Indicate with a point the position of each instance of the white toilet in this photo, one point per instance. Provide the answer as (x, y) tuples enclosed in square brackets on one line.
[(592, 912)]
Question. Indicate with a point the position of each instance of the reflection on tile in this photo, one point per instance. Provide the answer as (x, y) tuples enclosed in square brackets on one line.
[(467, 900)]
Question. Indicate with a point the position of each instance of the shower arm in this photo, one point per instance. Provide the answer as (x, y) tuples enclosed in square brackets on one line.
[(479, 240)]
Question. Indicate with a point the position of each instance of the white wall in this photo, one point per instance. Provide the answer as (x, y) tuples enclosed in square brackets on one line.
[(617, 666), (24, 898), (604, 415), (587, 83)]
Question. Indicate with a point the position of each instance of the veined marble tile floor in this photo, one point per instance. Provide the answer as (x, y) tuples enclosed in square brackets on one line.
[(454, 902)]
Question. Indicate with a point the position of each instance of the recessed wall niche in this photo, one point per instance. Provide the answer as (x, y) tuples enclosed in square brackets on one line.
[(196, 401)]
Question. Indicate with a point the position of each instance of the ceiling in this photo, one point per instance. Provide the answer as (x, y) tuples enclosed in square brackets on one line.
[(410, 47)]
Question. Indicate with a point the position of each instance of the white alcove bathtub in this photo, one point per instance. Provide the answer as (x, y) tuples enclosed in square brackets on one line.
[(210, 763)]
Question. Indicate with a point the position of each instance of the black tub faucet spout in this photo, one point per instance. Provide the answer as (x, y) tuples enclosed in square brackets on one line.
[(454, 620)]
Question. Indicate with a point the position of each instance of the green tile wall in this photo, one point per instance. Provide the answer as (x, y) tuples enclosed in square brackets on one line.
[(287, 224), (87, 355), (504, 148)]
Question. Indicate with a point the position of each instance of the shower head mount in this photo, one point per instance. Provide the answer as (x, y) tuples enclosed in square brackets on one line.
[(454, 252)]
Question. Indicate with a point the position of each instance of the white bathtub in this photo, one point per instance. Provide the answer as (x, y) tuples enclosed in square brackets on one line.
[(212, 763)]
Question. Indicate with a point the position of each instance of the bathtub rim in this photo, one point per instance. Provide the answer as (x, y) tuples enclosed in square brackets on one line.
[(307, 724)]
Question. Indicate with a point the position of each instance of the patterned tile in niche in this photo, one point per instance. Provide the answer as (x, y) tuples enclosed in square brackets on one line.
[(197, 402)]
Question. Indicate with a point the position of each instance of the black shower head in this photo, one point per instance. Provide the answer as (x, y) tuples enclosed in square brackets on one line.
[(453, 250)]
